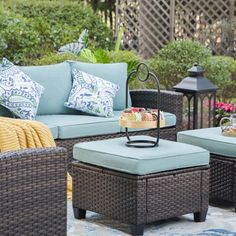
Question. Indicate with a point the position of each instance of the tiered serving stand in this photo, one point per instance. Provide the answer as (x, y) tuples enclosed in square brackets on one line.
[(143, 74)]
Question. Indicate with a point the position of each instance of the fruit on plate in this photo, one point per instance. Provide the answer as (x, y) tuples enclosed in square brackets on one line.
[(146, 116), (140, 114)]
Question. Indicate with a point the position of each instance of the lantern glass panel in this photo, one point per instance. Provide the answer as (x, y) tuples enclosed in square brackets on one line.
[(198, 110), (206, 110), (188, 111)]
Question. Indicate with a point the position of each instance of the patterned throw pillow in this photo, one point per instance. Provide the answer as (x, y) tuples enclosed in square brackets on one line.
[(91, 94), (18, 92)]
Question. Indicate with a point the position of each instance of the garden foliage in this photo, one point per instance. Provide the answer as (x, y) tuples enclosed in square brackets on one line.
[(173, 61), (221, 70), (30, 29), (94, 56), (54, 58)]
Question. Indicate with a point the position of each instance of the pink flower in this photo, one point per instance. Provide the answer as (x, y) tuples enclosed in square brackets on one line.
[(226, 107), (219, 104)]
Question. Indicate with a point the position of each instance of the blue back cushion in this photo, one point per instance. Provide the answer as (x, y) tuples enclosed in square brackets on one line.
[(57, 81), (115, 73)]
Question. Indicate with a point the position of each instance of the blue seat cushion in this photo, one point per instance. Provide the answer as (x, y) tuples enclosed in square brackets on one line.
[(113, 154), (57, 81), (210, 139), (53, 128), (75, 126), (113, 72), (54, 131)]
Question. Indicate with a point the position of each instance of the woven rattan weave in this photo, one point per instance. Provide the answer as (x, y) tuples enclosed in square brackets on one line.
[(139, 200), (223, 178), (33, 192)]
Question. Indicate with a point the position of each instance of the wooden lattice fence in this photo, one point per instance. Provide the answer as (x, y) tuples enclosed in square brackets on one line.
[(151, 24)]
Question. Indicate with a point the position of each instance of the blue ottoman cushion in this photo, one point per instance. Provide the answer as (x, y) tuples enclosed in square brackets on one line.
[(113, 154), (210, 139)]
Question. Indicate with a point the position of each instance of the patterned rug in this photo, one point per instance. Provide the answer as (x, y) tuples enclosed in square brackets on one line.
[(221, 221)]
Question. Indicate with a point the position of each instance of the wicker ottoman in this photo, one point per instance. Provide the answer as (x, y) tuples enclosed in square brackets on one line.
[(222, 160), (139, 186)]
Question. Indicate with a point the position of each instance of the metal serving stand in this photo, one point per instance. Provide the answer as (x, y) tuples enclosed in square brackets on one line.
[(143, 74)]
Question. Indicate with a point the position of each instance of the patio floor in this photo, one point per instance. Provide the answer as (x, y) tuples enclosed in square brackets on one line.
[(221, 221)]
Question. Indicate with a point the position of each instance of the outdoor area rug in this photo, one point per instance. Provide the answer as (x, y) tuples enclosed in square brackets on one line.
[(221, 221)]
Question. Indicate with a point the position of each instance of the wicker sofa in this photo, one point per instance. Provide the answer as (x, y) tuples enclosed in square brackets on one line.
[(69, 126), (32, 183)]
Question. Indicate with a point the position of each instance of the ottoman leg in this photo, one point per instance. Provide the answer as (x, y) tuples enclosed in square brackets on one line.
[(137, 230), (200, 216), (79, 213)]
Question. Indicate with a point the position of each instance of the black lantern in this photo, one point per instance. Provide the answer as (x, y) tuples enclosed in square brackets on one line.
[(200, 94)]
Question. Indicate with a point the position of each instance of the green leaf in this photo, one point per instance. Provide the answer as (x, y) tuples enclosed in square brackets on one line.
[(86, 55), (76, 47), (102, 56)]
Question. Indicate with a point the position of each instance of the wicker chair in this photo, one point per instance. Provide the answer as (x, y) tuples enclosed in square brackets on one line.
[(33, 181), (170, 102), (33, 192)]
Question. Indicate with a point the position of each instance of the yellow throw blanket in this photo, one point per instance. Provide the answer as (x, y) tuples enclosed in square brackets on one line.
[(18, 134)]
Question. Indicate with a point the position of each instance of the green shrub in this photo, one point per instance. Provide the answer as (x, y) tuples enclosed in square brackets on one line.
[(98, 56), (20, 41), (54, 58), (173, 61), (104, 56), (31, 29), (65, 15), (221, 70), (130, 57)]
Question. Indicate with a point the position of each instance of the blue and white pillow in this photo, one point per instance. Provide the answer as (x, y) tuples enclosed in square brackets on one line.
[(18, 92), (92, 94)]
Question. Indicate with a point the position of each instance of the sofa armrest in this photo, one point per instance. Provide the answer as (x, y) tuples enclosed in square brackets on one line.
[(13, 157), (170, 102), (33, 191)]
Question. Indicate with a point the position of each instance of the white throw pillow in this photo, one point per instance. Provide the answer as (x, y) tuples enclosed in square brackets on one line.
[(91, 94), (18, 92)]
